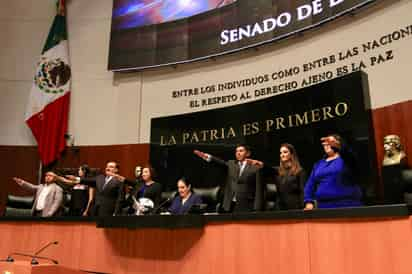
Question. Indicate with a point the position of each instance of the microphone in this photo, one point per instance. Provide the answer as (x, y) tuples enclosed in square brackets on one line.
[(161, 205), (35, 256)]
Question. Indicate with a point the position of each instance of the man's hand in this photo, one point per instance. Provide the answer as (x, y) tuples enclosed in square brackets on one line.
[(116, 176), (200, 154), (18, 181), (253, 162)]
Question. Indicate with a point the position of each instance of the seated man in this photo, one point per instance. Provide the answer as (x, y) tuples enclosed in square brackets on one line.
[(48, 198)]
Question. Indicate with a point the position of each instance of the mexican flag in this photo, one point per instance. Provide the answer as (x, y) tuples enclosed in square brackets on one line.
[(48, 109)]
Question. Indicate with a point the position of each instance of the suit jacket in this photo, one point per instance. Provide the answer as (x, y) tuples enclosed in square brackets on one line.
[(54, 199), (107, 200), (289, 187), (247, 188)]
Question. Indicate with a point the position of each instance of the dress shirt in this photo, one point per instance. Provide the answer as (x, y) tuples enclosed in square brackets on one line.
[(106, 180), (41, 201)]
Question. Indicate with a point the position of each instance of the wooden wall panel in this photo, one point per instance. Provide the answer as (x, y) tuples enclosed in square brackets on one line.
[(394, 119), (128, 157), (17, 161), (367, 246), (378, 246), (23, 161)]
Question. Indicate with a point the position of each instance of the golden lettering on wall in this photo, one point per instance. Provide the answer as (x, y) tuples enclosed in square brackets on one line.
[(199, 136), (250, 128), (308, 117), (167, 141)]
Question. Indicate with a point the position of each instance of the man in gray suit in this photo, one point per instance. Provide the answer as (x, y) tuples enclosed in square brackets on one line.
[(48, 200), (243, 190)]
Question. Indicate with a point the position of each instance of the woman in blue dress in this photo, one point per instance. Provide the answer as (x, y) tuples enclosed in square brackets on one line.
[(333, 181)]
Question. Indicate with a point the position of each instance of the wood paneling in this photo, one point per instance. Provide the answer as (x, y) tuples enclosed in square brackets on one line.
[(23, 161), (338, 246), (24, 267), (128, 156), (17, 161), (360, 246), (394, 119)]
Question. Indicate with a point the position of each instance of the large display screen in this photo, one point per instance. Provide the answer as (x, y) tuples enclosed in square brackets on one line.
[(151, 33), (136, 13)]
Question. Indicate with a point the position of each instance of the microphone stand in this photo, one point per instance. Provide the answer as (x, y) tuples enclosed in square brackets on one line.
[(46, 246), (35, 255), (8, 259), (161, 205), (33, 258)]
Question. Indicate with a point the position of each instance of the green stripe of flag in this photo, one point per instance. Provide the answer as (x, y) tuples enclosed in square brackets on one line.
[(58, 32)]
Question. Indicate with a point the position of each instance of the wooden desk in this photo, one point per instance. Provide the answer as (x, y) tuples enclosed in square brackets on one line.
[(24, 267)]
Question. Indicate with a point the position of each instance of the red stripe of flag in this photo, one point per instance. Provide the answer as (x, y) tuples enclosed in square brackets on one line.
[(49, 127)]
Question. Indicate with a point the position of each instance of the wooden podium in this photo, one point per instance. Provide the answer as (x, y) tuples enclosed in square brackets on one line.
[(25, 267)]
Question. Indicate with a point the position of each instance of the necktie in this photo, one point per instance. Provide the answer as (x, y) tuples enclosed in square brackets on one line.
[(106, 180), (241, 167)]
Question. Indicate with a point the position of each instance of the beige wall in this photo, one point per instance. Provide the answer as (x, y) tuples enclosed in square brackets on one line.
[(389, 81), (112, 108), (24, 28)]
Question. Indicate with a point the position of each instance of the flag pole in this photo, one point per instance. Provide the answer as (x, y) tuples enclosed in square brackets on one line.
[(39, 174)]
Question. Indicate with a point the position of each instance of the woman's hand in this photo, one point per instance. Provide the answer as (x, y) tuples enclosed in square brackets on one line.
[(309, 206), (68, 179)]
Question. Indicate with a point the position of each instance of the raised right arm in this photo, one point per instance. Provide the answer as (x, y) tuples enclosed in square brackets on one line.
[(88, 181), (25, 185), (209, 158)]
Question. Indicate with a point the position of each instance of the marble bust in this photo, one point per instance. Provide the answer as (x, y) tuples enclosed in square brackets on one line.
[(394, 154)]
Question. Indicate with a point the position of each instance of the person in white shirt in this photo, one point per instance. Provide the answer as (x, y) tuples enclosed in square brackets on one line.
[(48, 199)]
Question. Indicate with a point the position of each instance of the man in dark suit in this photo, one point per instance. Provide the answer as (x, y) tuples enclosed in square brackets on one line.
[(108, 190), (243, 190)]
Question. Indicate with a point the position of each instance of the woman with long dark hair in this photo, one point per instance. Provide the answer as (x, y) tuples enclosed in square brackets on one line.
[(289, 177), (82, 196)]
